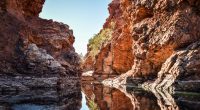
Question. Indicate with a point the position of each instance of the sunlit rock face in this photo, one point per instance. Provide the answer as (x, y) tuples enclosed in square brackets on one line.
[(88, 64), (147, 35), (115, 56), (183, 65), (35, 53)]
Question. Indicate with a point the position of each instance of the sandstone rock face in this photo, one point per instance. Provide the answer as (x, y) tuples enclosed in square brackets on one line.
[(148, 36), (182, 65), (33, 48), (88, 63), (115, 56)]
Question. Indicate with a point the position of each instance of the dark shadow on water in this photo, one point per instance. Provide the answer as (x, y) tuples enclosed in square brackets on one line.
[(41, 99)]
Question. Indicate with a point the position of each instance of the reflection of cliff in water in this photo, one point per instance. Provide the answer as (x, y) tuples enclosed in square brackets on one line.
[(165, 100), (178, 101), (187, 101), (41, 99), (106, 98), (100, 97)]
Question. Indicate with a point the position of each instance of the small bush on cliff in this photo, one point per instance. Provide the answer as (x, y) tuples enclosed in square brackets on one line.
[(99, 39), (93, 105)]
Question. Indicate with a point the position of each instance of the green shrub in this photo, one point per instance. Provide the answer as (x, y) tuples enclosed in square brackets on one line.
[(99, 39), (92, 105)]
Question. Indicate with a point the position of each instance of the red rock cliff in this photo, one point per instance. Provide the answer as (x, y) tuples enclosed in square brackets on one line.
[(115, 55), (35, 47), (152, 38)]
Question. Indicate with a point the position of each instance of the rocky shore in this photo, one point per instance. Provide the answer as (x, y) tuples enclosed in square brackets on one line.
[(156, 41), (36, 55)]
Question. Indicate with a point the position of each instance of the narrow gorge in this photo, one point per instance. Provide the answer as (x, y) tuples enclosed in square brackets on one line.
[(145, 57), (150, 45)]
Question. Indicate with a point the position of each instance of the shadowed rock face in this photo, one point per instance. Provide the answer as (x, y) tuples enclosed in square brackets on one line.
[(152, 38), (22, 30), (35, 53)]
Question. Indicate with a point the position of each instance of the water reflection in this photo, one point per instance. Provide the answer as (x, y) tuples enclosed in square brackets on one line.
[(41, 99), (104, 98), (100, 97)]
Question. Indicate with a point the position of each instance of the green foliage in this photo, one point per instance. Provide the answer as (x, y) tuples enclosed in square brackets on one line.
[(92, 105), (104, 36), (99, 39)]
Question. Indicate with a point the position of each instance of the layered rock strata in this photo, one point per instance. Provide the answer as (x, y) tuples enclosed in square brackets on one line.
[(155, 38), (34, 52)]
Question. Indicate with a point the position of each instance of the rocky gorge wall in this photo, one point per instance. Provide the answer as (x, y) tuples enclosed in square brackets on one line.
[(24, 36), (113, 57), (36, 53), (151, 38)]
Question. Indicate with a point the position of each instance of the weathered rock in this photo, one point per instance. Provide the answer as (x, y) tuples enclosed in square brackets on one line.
[(34, 52), (87, 76), (182, 64), (37, 61), (158, 32), (115, 57), (88, 63)]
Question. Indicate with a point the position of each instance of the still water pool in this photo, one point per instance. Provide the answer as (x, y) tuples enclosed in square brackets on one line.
[(99, 97)]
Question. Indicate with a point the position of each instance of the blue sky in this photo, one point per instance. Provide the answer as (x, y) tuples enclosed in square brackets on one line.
[(85, 17)]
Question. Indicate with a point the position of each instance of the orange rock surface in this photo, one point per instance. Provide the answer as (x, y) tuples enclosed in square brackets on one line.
[(146, 34)]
